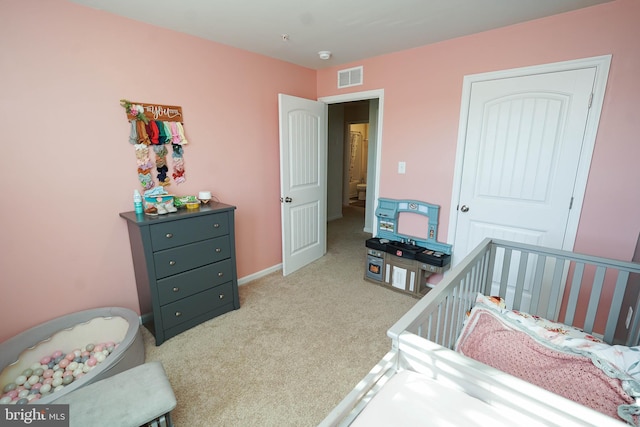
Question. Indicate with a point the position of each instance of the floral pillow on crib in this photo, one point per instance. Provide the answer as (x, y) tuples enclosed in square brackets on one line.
[(564, 337), (541, 326)]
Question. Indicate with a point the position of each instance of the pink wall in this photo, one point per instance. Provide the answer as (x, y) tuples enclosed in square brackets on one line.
[(422, 94), (68, 167)]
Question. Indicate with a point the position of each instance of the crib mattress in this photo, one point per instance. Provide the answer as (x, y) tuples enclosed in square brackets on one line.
[(411, 399)]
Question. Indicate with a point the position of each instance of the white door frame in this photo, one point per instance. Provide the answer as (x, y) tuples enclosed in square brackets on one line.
[(602, 65), (360, 96)]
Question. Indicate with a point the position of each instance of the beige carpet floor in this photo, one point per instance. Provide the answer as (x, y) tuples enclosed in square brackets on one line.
[(295, 347)]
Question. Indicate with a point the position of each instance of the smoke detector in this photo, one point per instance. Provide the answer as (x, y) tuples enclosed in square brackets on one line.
[(324, 54)]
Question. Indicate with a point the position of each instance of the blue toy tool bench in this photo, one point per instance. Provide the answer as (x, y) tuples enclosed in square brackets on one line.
[(403, 262)]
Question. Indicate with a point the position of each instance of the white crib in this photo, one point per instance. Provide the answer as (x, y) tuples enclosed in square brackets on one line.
[(463, 391)]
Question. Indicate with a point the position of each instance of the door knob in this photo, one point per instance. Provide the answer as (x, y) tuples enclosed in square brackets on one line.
[(464, 208), (287, 199)]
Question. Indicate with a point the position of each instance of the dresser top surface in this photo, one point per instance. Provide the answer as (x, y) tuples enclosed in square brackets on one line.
[(210, 208)]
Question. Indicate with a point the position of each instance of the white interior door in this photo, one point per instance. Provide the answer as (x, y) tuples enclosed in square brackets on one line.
[(524, 139), (303, 181)]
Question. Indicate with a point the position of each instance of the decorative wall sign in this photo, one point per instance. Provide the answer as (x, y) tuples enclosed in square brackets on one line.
[(156, 126)]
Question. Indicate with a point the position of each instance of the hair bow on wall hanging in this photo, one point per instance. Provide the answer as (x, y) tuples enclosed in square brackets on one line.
[(156, 126)]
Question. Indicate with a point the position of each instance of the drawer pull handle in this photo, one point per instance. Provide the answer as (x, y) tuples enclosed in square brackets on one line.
[(169, 235), (216, 225), (220, 274), (172, 263), (178, 314), (176, 289), (221, 296), (218, 250)]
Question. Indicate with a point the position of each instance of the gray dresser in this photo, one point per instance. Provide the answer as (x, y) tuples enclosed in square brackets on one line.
[(185, 267)]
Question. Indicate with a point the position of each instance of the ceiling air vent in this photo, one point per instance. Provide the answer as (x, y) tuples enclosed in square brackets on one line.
[(350, 77)]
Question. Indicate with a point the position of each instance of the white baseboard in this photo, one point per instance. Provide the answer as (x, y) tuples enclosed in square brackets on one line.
[(246, 279)]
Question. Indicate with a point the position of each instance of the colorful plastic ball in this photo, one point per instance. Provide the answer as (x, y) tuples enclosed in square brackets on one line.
[(46, 388), (56, 354), (64, 363), (9, 387), (45, 360), (22, 401), (21, 379), (56, 382), (5, 400)]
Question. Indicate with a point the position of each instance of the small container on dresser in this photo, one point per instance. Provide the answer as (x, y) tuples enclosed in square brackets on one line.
[(185, 267)]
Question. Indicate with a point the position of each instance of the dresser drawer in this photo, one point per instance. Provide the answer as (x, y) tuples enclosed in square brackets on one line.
[(187, 308), (187, 257), (191, 282), (180, 232)]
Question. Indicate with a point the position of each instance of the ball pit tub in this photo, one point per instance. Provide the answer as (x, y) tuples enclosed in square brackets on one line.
[(76, 330)]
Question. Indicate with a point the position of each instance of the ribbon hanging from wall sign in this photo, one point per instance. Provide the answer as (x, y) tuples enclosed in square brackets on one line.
[(156, 126)]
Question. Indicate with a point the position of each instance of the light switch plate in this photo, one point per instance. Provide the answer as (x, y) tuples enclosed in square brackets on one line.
[(402, 167)]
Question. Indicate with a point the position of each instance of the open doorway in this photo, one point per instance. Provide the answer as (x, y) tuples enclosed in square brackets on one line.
[(343, 111), (357, 160)]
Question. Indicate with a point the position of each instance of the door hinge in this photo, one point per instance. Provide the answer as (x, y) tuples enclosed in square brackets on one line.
[(571, 203), (590, 100)]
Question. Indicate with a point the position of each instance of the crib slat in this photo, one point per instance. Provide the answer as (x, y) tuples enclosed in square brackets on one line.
[(488, 283), (616, 305), (452, 315), (458, 306), (445, 340), (633, 339), (573, 293), (437, 336), (596, 289), (554, 295), (504, 275), (522, 269), (537, 283)]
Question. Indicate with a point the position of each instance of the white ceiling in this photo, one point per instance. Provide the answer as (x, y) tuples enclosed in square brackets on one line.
[(351, 29)]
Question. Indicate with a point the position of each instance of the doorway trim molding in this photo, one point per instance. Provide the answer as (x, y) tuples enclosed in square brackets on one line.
[(360, 96), (602, 65)]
